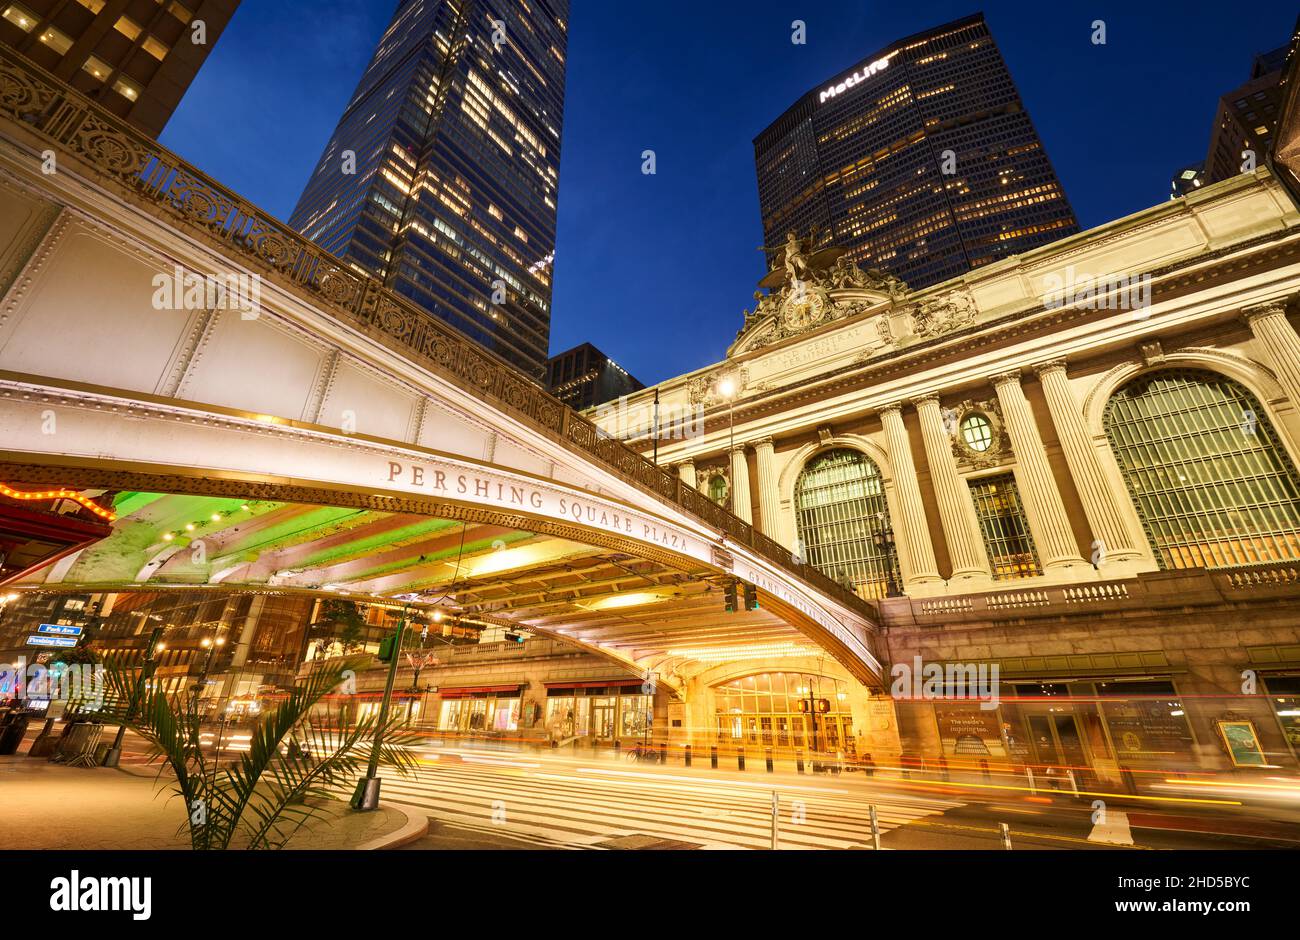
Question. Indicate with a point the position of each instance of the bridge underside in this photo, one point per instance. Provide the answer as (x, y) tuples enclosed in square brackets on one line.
[(643, 613)]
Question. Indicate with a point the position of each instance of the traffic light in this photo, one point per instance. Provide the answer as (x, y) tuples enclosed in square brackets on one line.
[(729, 592), (751, 597), (514, 637), (388, 648), (803, 706), (823, 706)]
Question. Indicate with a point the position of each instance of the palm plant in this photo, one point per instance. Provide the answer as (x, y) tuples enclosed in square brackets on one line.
[(292, 768)]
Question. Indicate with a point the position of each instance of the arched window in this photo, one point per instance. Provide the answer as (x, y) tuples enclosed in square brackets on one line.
[(843, 523), (718, 489), (1210, 480)]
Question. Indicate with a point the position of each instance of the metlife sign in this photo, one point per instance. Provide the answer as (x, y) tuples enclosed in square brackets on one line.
[(857, 78)]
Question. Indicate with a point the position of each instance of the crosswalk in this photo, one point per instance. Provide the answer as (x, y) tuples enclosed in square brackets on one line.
[(563, 806)]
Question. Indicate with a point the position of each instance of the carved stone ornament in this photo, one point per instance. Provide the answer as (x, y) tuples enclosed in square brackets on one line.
[(940, 315), (703, 389), (809, 287), (998, 450)]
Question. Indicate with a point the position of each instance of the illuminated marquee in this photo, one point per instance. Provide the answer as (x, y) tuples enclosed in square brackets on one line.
[(861, 75)]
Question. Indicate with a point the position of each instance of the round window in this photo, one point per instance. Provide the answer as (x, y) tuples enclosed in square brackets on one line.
[(977, 432)]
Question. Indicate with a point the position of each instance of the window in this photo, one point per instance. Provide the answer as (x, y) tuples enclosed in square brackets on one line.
[(718, 489), (1206, 471), (977, 432), (127, 27), (94, 6), (56, 40), (126, 88), (155, 48), (839, 512), (98, 68), (20, 16), (1006, 531)]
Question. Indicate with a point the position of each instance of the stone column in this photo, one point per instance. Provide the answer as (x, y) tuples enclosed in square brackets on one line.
[(1100, 503), (1270, 327), (740, 484), (686, 470), (769, 499), (913, 533), (961, 528), (249, 631), (1047, 519)]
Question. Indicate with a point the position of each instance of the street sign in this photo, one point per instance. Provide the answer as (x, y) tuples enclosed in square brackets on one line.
[(68, 641), (59, 629)]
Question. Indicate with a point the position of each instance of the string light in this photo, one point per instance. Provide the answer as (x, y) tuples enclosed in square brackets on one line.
[(61, 494)]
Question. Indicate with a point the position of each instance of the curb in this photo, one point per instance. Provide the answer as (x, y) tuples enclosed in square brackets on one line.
[(416, 827)]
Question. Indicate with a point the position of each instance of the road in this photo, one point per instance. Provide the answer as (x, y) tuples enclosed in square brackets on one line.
[(480, 798)]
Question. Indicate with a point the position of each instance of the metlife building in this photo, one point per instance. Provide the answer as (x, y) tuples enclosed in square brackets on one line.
[(921, 160)]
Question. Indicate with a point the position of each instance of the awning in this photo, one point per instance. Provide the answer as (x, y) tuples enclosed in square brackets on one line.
[(478, 690), (598, 683)]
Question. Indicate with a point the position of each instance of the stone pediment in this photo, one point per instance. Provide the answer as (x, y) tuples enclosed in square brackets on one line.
[(808, 289)]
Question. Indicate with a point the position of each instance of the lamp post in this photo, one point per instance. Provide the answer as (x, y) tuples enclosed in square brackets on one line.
[(366, 795), (114, 753), (884, 539)]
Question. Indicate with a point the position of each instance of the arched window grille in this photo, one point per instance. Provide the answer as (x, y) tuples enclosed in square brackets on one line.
[(1209, 477), (839, 510)]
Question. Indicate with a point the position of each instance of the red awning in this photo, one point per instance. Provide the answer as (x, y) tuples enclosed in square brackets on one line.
[(476, 690), (599, 683)]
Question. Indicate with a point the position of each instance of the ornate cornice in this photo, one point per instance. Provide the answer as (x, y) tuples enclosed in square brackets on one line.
[(1052, 365), (1008, 377)]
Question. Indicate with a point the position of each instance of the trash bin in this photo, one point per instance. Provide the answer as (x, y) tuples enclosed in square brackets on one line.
[(12, 732)]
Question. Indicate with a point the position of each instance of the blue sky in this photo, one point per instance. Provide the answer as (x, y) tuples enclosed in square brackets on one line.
[(655, 270)]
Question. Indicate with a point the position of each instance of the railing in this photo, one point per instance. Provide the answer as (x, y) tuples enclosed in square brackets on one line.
[(144, 171)]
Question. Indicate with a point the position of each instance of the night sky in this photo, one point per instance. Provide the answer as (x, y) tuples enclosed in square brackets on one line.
[(655, 270)]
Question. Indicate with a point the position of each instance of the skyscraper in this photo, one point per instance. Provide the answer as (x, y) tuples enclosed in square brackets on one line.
[(1246, 118), (920, 159), (584, 376), (442, 175), (134, 57)]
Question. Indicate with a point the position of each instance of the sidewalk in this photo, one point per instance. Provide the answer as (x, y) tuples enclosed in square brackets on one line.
[(50, 806)]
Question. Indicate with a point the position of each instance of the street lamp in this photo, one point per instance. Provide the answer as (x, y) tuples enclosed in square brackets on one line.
[(884, 539), (727, 390)]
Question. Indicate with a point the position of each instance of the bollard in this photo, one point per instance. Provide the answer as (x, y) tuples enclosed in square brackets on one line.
[(798, 760), (618, 747), (1074, 786), (740, 758), (776, 820), (984, 769), (943, 767), (868, 765), (663, 752), (768, 758), (875, 827), (1006, 835), (687, 755), (713, 756), (1029, 773)]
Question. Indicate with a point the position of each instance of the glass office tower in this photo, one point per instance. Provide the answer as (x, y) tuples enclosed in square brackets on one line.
[(921, 160), (442, 175)]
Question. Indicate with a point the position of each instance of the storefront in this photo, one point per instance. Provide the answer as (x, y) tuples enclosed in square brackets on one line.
[(603, 710), (480, 709), (785, 710)]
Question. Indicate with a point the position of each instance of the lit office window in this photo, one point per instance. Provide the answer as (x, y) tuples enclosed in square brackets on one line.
[(1209, 477), (98, 68), (127, 27), (94, 6), (20, 16), (1005, 529), (126, 88), (843, 522), (155, 48), (56, 40)]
